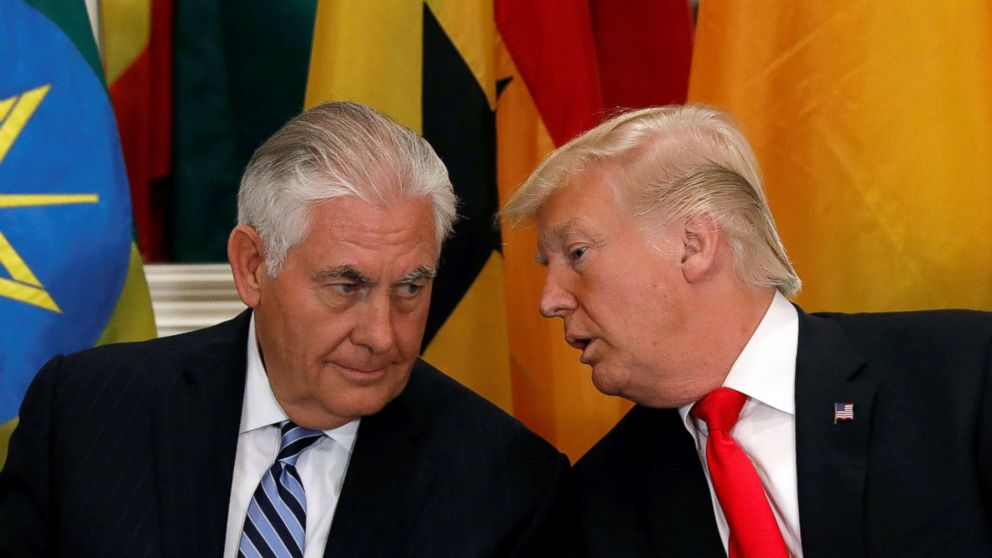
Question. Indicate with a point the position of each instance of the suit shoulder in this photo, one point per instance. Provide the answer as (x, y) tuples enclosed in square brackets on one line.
[(927, 319), (623, 434), (923, 330), (926, 359), (144, 363), (137, 361), (466, 415), (624, 446)]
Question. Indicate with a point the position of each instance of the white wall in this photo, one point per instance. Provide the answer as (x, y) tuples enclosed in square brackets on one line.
[(187, 297)]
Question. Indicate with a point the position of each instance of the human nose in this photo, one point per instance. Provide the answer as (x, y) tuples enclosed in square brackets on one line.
[(375, 330), (556, 299)]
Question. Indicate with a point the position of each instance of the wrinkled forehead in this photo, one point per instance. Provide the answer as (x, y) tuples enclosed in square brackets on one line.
[(587, 201), (354, 220), (599, 190)]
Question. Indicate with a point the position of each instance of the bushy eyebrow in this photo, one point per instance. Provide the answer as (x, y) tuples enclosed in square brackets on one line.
[(422, 273), (350, 273), (550, 236), (554, 235), (555, 232), (347, 272)]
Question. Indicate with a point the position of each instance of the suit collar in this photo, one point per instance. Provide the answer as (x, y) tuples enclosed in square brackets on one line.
[(261, 408), (831, 459), (195, 429), (765, 369), (388, 480)]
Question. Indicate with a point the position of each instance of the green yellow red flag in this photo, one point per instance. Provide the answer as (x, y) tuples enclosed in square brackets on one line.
[(137, 59)]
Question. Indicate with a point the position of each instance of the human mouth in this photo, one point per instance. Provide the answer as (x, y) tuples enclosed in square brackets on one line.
[(577, 341), (363, 375), (583, 344)]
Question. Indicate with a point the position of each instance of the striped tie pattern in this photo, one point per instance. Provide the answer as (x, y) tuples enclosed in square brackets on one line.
[(277, 515)]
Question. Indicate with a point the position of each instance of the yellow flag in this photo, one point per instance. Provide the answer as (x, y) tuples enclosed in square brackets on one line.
[(873, 126)]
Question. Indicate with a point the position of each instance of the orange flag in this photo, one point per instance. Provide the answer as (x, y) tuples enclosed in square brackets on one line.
[(872, 126)]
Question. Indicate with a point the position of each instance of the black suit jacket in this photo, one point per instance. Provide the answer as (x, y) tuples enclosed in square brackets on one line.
[(910, 476), (128, 450)]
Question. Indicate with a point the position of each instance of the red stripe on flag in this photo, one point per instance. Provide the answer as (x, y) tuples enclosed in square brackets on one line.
[(644, 50), (552, 47), (142, 100)]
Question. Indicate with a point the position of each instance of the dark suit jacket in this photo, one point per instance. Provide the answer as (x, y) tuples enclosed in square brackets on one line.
[(910, 476), (128, 450)]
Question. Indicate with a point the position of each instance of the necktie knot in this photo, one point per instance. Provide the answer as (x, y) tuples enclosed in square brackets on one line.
[(295, 440), (276, 523), (720, 409)]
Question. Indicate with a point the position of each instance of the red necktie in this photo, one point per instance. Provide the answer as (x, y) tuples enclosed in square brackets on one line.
[(753, 530)]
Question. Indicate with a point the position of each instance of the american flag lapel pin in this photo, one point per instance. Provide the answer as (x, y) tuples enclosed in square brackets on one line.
[(843, 411)]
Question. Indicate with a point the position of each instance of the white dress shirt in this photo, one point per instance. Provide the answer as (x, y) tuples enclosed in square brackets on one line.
[(765, 371), (322, 467)]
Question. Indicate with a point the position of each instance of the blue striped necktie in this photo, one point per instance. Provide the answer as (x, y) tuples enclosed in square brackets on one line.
[(277, 515)]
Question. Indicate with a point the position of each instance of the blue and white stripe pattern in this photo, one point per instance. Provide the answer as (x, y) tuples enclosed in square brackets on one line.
[(277, 515)]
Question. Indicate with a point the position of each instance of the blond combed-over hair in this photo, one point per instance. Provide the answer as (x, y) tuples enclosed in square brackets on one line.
[(676, 161)]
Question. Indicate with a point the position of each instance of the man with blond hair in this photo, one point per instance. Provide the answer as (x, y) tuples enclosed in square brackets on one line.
[(759, 430)]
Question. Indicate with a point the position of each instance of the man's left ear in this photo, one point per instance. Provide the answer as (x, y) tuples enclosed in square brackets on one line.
[(700, 243)]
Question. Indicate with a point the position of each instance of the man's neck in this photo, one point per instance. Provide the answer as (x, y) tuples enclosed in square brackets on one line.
[(730, 321)]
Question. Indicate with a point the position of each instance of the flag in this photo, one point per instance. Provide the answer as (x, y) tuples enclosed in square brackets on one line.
[(239, 74), (137, 56), (871, 124), (843, 412), (494, 87), (70, 276), (570, 66), (553, 95), (644, 48)]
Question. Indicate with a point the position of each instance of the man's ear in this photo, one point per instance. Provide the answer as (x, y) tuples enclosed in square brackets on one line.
[(700, 246), (246, 252)]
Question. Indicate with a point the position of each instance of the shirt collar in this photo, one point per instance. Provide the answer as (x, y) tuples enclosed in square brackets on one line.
[(766, 368), (260, 407)]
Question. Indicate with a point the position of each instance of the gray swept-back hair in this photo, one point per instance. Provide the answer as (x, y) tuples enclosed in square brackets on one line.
[(676, 161), (334, 150)]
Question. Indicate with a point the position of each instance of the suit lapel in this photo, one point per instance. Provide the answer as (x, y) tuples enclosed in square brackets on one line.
[(195, 431), (386, 485), (831, 459)]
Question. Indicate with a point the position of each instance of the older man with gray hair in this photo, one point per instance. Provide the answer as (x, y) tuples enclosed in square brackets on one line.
[(307, 426), (759, 430)]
